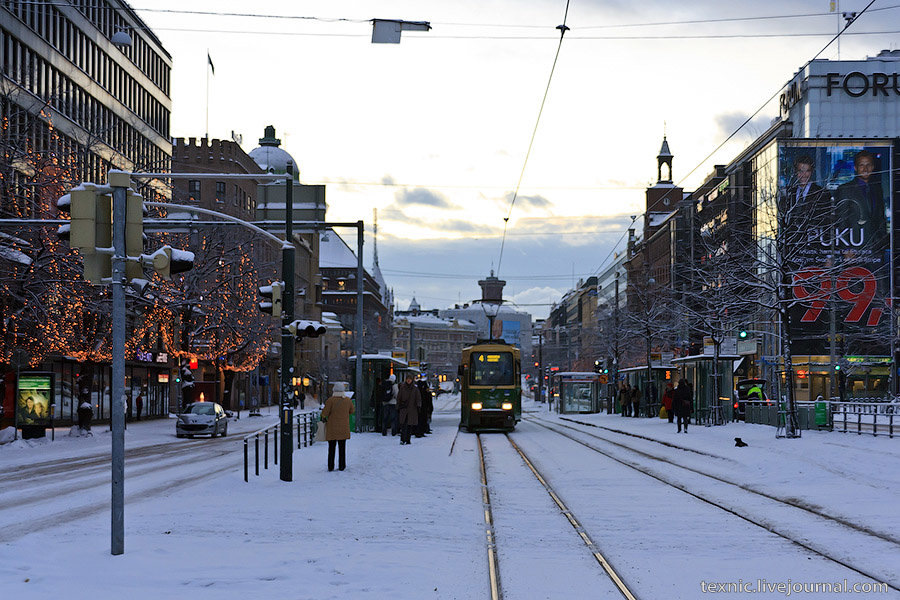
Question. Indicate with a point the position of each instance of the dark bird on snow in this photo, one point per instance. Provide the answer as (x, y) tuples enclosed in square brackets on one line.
[(739, 442)]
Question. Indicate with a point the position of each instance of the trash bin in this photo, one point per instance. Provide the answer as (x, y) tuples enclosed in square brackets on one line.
[(85, 416)]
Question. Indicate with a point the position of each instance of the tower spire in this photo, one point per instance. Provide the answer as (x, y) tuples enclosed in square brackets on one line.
[(375, 236)]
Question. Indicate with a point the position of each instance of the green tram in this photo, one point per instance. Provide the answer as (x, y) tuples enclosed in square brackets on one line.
[(490, 382)]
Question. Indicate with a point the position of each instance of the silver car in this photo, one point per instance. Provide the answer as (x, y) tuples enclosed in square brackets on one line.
[(202, 418)]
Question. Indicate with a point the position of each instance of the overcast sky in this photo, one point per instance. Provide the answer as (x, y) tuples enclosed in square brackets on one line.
[(434, 132)]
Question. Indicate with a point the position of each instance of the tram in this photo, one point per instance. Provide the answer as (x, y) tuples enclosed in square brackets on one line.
[(490, 383)]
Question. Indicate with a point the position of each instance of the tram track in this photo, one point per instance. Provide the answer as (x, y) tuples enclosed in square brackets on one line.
[(785, 501), (564, 510), (767, 523)]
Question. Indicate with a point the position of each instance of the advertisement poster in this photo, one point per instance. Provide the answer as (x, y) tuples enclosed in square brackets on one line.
[(835, 205), (33, 399)]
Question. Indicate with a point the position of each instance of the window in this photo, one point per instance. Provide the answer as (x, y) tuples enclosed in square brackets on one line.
[(492, 368), (220, 191)]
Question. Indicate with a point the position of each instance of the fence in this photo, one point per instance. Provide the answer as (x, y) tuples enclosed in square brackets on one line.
[(876, 418), (864, 417), (307, 423)]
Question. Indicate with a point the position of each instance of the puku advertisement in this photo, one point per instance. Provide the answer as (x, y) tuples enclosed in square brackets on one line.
[(34, 396), (836, 214)]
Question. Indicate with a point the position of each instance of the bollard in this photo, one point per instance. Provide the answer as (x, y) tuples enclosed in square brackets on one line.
[(266, 450), (246, 460), (276, 444), (256, 441)]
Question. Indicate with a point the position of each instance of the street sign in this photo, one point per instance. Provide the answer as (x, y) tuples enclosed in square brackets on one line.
[(604, 378), (414, 363)]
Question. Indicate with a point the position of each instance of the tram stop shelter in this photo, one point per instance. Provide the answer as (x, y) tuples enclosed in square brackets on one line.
[(579, 392), (375, 366)]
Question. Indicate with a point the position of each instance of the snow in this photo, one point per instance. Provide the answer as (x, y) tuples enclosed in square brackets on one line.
[(13, 255), (407, 521)]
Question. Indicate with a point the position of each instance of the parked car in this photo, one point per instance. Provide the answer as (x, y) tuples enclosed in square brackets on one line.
[(748, 389), (202, 418)]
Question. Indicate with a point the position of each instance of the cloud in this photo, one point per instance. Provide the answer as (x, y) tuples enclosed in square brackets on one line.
[(422, 197), (728, 122), (525, 202)]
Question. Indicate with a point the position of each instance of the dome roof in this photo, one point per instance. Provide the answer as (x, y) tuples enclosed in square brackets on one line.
[(270, 157)]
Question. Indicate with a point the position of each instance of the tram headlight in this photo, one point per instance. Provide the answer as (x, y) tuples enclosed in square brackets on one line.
[(506, 406), (476, 406)]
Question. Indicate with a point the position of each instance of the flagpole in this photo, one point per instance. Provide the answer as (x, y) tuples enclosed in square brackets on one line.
[(207, 93)]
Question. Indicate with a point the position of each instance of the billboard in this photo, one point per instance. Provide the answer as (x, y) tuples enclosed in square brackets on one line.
[(34, 395), (836, 209)]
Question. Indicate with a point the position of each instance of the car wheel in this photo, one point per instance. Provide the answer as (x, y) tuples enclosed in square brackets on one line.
[(179, 435), (225, 431)]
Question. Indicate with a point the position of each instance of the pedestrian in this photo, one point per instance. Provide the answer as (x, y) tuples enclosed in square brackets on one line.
[(139, 405), (408, 404), (668, 398), (623, 399), (684, 404), (425, 396), (336, 416), (635, 395), (389, 416)]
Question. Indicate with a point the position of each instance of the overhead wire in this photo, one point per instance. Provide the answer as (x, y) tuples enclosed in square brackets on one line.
[(562, 34)]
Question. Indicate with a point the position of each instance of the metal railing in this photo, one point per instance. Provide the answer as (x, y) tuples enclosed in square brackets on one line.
[(864, 417), (306, 424)]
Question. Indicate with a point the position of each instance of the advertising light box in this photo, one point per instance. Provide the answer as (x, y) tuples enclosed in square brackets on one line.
[(837, 214)]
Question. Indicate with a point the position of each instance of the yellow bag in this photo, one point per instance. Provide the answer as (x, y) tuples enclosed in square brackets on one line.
[(662, 413)]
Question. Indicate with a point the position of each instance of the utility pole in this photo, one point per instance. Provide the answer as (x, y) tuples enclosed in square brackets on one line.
[(287, 338), (120, 183)]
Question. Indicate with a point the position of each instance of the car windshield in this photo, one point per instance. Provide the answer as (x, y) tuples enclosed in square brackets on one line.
[(202, 409), (492, 368)]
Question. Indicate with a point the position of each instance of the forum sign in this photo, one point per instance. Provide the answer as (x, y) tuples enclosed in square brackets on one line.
[(844, 99)]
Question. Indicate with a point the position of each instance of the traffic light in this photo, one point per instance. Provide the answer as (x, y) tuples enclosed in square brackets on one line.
[(743, 334), (598, 366), (272, 298), (168, 261), (90, 228), (837, 367), (135, 211), (303, 328)]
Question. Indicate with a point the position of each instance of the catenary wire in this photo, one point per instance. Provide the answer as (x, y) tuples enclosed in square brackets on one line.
[(562, 34)]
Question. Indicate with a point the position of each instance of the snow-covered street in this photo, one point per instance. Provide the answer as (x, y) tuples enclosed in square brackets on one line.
[(408, 521)]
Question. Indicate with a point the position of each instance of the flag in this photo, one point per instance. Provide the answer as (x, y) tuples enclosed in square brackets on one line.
[(211, 65)]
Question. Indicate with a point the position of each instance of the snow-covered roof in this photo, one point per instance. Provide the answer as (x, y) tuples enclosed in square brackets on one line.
[(273, 159), (13, 255), (655, 219), (429, 320)]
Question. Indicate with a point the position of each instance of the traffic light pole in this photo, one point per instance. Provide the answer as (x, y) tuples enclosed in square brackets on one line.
[(120, 183), (287, 339)]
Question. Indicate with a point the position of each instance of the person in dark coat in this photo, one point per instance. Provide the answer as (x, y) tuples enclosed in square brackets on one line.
[(139, 405), (683, 404), (408, 404), (634, 395), (623, 399), (336, 416), (427, 404)]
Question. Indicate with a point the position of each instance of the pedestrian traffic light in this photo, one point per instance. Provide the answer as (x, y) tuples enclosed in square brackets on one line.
[(302, 328), (272, 298), (168, 261)]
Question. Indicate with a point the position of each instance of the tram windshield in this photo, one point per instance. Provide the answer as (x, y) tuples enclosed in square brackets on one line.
[(492, 368)]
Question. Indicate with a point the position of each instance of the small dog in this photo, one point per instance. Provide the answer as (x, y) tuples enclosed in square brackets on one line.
[(739, 442)]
